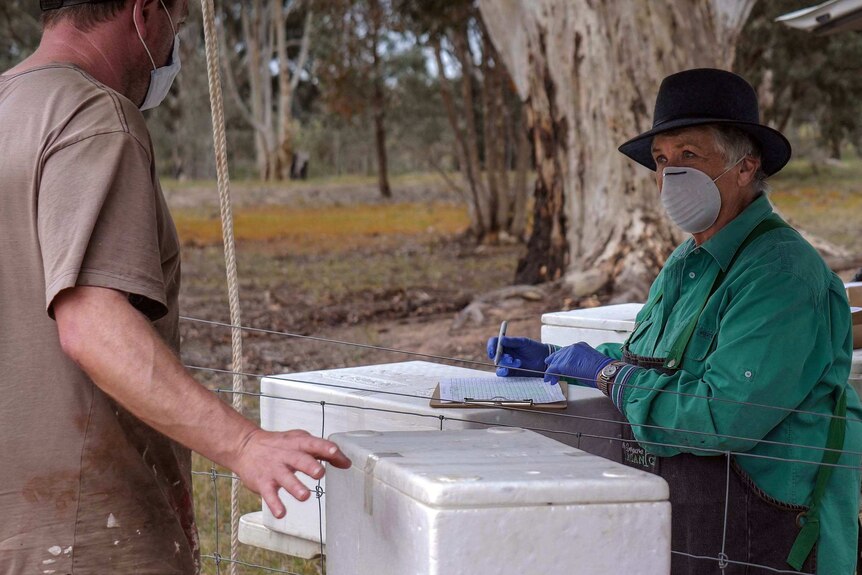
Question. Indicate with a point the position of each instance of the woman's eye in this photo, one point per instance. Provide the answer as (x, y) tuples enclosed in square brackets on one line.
[(660, 159), (687, 155)]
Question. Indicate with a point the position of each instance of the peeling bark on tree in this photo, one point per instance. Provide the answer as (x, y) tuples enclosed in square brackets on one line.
[(589, 72)]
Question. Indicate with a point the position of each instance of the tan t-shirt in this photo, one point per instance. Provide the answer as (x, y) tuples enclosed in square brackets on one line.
[(84, 486)]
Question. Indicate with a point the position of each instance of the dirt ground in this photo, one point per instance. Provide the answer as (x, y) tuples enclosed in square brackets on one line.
[(403, 292)]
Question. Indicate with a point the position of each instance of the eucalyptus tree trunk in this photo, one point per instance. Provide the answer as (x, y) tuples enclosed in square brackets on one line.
[(263, 38), (589, 72)]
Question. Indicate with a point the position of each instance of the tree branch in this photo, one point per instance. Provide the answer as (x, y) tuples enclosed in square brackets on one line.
[(303, 52), (230, 82)]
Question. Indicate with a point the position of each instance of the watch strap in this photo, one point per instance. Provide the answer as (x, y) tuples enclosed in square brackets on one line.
[(604, 382)]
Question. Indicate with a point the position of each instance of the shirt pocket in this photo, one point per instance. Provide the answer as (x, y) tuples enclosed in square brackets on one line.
[(702, 340)]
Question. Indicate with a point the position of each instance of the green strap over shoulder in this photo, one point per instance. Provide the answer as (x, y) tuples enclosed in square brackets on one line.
[(810, 531), (677, 350)]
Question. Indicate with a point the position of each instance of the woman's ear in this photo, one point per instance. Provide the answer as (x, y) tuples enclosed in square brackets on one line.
[(748, 167)]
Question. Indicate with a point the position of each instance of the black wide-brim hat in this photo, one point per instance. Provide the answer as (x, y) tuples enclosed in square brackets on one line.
[(709, 96)]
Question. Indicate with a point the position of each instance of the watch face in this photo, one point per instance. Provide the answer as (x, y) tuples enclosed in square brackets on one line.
[(609, 370)]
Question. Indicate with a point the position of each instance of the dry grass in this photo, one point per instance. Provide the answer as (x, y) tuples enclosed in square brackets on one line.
[(826, 202), (206, 503), (333, 229)]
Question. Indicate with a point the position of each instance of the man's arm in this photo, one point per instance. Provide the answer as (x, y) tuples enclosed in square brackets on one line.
[(118, 348)]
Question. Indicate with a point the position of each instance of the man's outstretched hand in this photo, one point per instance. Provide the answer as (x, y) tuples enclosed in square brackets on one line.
[(270, 460)]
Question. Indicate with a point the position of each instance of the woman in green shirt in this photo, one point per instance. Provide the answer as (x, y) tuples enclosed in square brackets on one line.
[(738, 365)]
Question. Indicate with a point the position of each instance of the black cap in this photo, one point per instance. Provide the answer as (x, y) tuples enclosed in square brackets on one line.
[(46, 5), (709, 96)]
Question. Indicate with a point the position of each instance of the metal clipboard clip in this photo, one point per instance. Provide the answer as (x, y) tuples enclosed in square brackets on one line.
[(499, 401)]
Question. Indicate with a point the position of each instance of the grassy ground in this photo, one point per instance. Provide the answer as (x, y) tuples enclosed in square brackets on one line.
[(826, 201), (329, 258)]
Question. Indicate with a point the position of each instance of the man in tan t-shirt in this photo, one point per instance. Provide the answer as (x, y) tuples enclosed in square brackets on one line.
[(95, 403)]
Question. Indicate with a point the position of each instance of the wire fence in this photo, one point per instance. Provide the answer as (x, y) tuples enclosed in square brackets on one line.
[(556, 424)]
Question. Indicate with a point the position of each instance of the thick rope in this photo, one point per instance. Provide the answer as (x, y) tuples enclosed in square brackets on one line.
[(220, 141)]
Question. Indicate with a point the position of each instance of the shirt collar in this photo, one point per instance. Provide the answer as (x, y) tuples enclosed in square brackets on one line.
[(723, 245)]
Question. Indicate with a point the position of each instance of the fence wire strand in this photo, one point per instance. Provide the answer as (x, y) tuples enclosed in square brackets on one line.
[(488, 365), (722, 560), (293, 379)]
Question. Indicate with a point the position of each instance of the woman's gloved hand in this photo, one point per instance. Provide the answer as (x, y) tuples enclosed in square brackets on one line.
[(580, 362), (523, 352)]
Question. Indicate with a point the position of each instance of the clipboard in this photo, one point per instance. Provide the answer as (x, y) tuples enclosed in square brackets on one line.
[(492, 403)]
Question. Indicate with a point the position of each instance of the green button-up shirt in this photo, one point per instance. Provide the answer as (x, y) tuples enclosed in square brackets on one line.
[(775, 333)]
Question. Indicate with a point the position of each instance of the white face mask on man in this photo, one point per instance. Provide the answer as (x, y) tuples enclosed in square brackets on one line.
[(161, 78), (691, 198)]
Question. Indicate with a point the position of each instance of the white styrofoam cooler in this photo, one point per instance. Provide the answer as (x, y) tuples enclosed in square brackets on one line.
[(610, 323), (499, 500), (395, 397), (356, 398)]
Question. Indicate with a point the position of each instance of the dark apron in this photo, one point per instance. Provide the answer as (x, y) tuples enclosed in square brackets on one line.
[(759, 529)]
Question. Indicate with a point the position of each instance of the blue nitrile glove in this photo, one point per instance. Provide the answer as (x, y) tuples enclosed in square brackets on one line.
[(520, 352), (580, 362)]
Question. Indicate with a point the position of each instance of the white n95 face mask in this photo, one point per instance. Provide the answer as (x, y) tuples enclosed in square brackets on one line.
[(161, 78), (691, 198)]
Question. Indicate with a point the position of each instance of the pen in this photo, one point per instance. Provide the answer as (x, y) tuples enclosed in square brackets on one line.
[(500, 402), (499, 353)]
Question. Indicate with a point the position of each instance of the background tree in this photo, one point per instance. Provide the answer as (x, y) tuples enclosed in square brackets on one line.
[(804, 79), (483, 112), (182, 126), (589, 73), (270, 42), (19, 30), (352, 65)]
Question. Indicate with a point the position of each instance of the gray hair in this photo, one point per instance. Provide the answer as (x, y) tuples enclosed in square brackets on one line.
[(734, 144)]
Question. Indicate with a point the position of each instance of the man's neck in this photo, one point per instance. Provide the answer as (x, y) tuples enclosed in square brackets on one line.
[(65, 44)]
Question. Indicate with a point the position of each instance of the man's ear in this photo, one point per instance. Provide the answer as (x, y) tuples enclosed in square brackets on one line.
[(144, 13), (747, 171)]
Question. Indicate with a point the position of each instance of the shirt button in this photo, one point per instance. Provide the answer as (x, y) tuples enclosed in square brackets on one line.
[(697, 251), (692, 275), (748, 374)]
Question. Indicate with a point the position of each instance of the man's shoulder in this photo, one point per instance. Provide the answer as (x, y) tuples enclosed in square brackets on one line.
[(75, 105)]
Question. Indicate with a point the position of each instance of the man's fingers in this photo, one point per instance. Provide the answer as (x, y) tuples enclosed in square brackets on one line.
[(318, 448), (339, 460), (270, 496), (291, 483)]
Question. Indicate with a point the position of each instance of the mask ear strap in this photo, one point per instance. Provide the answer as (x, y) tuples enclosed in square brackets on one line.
[(171, 20), (730, 168), (138, 30)]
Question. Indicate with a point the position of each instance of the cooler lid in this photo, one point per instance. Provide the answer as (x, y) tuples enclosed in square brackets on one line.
[(495, 467), (619, 317)]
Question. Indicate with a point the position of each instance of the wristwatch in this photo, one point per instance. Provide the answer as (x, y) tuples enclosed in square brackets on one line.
[(607, 375)]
